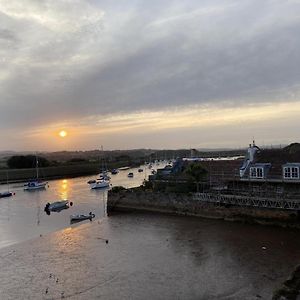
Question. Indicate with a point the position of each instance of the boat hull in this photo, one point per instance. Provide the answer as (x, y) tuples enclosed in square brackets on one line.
[(6, 194), (99, 185), (35, 187)]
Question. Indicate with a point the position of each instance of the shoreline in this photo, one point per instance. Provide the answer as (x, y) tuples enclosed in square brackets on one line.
[(184, 205), (49, 173)]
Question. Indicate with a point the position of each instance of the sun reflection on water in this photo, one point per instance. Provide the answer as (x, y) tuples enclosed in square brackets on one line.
[(64, 189)]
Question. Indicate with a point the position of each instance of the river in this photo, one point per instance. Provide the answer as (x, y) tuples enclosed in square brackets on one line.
[(22, 216), (161, 256)]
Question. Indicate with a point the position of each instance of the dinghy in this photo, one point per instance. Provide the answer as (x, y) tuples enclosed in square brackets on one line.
[(58, 205), (5, 194), (81, 217)]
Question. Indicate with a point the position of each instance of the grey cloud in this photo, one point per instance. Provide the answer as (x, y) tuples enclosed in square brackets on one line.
[(153, 56)]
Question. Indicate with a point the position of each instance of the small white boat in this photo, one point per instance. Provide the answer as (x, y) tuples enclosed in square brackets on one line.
[(5, 194), (35, 185), (58, 205), (82, 217), (130, 175), (99, 184)]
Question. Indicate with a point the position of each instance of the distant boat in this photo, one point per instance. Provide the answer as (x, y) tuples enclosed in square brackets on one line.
[(6, 194), (58, 205), (114, 171), (77, 218), (99, 184), (35, 184), (130, 175), (124, 168)]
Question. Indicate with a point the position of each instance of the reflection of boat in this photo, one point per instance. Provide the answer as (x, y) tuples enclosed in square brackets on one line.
[(130, 175), (6, 194), (77, 218), (35, 184), (58, 205), (114, 171), (99, 184), (140, 170)]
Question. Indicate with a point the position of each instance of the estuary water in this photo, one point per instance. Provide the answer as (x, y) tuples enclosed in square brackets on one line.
[(149, 256), (22, 216)]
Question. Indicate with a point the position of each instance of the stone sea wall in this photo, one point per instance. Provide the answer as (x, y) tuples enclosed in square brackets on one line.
[(186, 204)]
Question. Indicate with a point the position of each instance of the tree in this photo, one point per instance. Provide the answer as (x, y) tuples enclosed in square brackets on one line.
[(28, 161), (197, 173)]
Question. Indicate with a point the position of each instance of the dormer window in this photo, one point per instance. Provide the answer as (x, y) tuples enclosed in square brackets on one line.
[(256, 172), (291, 172)]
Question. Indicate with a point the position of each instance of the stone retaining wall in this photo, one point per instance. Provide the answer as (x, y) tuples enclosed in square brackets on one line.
[(186, 204)]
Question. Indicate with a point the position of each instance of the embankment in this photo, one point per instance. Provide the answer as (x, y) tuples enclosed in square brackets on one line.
[(185, 204), (15, 175)]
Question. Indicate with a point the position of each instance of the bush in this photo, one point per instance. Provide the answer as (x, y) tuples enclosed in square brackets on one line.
[(117, 189), (28, 161)]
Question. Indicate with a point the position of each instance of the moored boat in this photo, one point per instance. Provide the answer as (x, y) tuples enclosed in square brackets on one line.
[(82, 217), (35, 184), (130, 175), (58, 205), (140, 170), (124, 168), (6, 194), (99, 184)]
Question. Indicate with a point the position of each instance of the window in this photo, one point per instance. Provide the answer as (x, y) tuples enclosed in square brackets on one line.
[(287, 172), (291, 172), (259, 173), (256, 172), (295, 172), (252, 172)]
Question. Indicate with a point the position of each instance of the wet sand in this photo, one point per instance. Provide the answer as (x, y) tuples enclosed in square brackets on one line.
[(151, 256)]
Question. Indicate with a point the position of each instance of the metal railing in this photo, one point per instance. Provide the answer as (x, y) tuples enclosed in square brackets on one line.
[(220, 199)]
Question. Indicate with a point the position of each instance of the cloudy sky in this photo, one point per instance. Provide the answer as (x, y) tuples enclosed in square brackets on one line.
[(137, 73)]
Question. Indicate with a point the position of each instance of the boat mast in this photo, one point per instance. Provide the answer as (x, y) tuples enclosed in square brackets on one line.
[(37, 167), (7, 181)]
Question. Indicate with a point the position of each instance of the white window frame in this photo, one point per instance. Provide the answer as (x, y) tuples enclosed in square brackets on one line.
[(295, 172), (291, 172), (257, 172), (287, 172)]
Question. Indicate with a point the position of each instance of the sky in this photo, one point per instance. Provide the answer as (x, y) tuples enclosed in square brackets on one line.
[(148, 74)]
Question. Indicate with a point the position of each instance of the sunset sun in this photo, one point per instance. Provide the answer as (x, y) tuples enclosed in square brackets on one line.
[(63, 133)]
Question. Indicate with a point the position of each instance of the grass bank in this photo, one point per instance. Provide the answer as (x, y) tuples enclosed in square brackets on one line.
[(16, 175)]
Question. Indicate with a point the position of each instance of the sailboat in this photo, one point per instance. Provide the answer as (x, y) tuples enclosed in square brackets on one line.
[(102, 182), (7, 193), (35, 184)]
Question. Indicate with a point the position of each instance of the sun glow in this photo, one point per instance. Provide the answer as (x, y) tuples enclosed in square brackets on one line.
[(63, 133)]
